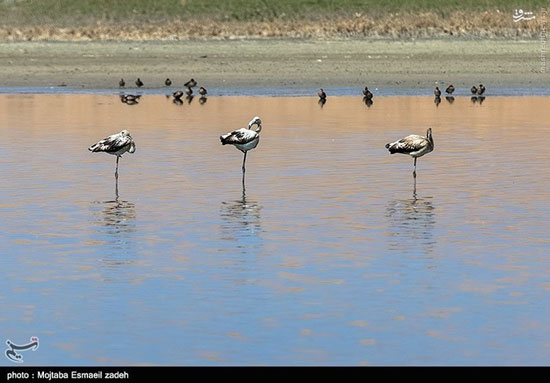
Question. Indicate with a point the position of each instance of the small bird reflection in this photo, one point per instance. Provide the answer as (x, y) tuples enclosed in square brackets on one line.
[(241, 222), (450, 99), (477, 99), (203, 100), (411, 225), (368, 101), (437, 100), (130, 99), (322, 102)]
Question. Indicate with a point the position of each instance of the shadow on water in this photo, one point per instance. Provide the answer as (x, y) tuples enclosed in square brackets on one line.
[(411, 225), (241, 223)]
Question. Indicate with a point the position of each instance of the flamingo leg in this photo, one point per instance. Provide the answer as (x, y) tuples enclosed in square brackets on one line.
[(244, 160), (414, 171), (244, 169), (116, 177)]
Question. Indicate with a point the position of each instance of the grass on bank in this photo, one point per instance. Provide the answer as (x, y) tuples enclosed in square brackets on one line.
[(78, 12)]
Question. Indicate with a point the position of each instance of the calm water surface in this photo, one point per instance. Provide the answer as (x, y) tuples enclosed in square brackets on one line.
[(326, 259)]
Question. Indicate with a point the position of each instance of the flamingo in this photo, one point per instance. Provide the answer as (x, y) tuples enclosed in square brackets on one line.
[(413, 145), (117, 145), (244, 139)]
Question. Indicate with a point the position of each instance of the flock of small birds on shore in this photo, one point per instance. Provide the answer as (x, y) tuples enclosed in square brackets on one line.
[(246, 139), (477, 93)]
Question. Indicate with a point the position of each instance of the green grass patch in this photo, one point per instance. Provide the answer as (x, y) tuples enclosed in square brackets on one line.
[(75, 12)]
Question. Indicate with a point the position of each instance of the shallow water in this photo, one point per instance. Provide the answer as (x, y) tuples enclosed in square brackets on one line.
[(327, 258)]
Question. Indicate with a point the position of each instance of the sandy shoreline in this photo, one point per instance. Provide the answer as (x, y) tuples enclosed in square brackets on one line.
[(276, 63)]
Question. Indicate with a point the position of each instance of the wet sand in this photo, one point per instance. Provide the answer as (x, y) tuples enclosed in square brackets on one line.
[(275, 63)]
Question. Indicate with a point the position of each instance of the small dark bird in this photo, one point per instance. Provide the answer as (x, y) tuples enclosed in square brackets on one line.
[(202, 91), (191, 83), (450, 89), (177, 95), (481, 89), (473, 90), (437, 92), (322, 95), (139, 83), (167, 82), (121, 83), (367, 93)]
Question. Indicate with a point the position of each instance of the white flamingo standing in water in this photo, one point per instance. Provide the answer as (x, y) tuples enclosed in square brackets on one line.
[(244, 139), (413, 145), (117, 145)]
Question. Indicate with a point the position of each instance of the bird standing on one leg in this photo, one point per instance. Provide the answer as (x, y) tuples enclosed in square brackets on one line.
[(413, 145), (117, 145), (244, 139)]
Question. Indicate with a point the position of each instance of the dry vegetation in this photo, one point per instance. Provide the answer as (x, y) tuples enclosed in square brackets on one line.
[(423, 25), (82, 20)]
